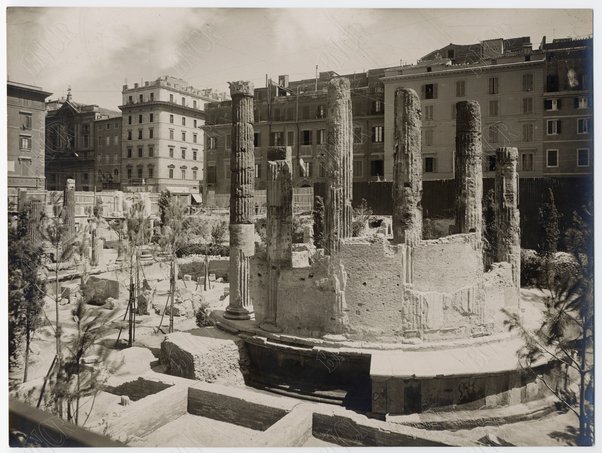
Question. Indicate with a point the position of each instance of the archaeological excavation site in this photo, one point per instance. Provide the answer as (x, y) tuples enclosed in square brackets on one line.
[(325, 338)]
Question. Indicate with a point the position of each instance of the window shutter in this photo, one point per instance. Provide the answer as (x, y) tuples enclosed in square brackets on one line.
[(422, 95), (435, 90), (576, 104), (559, 103), (558, 130), (547, 104)]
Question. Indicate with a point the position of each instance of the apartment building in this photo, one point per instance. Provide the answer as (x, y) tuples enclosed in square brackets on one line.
[(26, 123), (108, 153), (293, 113), (162, 139)]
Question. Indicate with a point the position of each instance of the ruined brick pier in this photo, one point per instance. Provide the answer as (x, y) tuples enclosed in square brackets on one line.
[(279, 229), (242, 229), (407, 168), (507, 217), (469, 172), (338, 212)]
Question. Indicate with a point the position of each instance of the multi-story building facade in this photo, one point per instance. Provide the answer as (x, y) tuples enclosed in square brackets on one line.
[(162, 139), (568, 107), (294, 114), (70, 143), (108, 153), (506, 77), (26, 115)]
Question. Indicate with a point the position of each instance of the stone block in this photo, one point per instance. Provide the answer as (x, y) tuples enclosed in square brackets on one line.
[(300, 259), (187, 278), (97, 290)]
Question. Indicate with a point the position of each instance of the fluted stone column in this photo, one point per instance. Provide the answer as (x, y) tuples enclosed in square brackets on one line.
[(242, 230), (338, 212), (69, 207), (507, 216), (407, 168), (279, 230), (469, 172)]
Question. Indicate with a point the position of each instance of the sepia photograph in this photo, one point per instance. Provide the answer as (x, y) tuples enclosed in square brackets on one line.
[(322, 227)]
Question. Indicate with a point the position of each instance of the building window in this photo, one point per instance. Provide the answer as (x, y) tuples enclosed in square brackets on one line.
[(428, 112), (129, 119), (377, 107), (493, 85), (194, 123), (151, 151), (320, 111), (553, 127), (139, 119), (116, 173), (552, 158), (527, 105), (290, 138), (552, 104), (139, 172), (582, 102), (309, 169), (171, 98), (183, 136), (429, 91), (183, 171), (527, 82), (116, 140), (493, 108), (492, 133), (583, 125), (130, 153), (257, 139), (171, 132), (171, 152), (491, 162), (358, 169), (527, 132), (276, 139), (321, 137), (139, 134), (140, 154), (357, 135), (552, 83), (429, 165), (583, 157), (151, 172), (194, 107), (460, 88), (377, 134), (194, 154), (25, 120), (151, 132), (211, 142), (151, 117), (108, 141), (171, 173), (194, 174), (306, 137), (183, 121), (171, 119), (130, 100), (141, 98), (527, 161), (258, 171), (183, 100), (377, 168), (24, 142), (99, 140), (183, 153), (194, 138), (129, 173), (152, 96), (428, 137)]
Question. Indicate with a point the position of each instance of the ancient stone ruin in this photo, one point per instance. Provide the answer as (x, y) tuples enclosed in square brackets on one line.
[(369, 288)]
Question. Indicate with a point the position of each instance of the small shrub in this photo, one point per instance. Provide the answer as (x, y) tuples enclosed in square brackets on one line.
[(202, 316), (218, 232), (531, 268), (203, 249), (361, 215)]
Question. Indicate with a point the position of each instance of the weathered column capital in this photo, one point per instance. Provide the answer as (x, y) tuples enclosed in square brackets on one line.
[(241, 88)]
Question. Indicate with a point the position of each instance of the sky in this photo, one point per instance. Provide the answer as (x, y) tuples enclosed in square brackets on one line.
[(96, 50)]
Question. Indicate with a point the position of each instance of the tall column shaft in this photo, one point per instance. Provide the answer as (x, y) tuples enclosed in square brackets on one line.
[(507, 215), (242, 230), (407, 168), (69, 207), (339, 165), (468, 168), (279, 229)]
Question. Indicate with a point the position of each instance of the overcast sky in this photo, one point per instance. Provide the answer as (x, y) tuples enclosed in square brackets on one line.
[(94, 50)]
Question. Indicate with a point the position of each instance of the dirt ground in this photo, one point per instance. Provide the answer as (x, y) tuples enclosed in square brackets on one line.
[(552, 430)]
